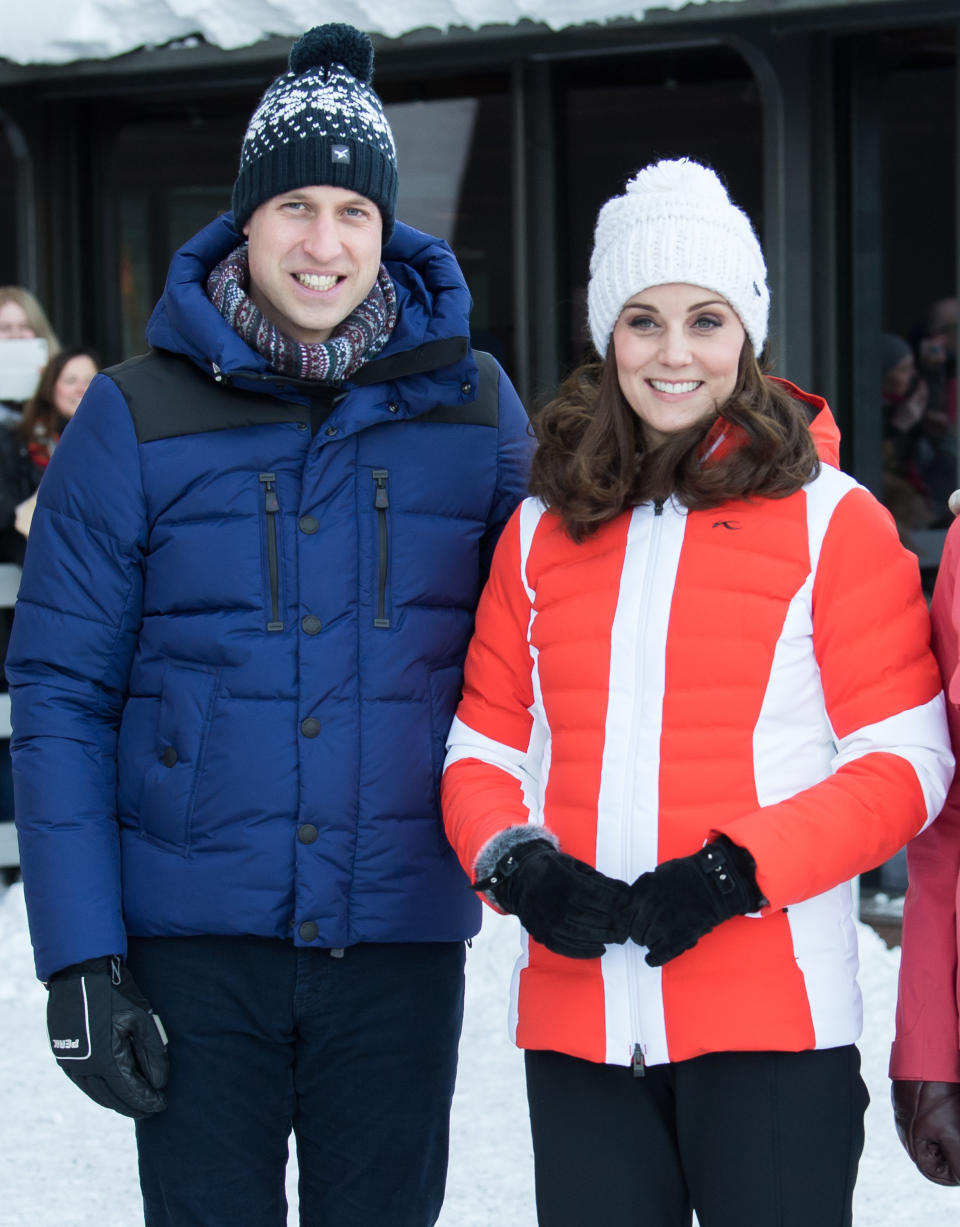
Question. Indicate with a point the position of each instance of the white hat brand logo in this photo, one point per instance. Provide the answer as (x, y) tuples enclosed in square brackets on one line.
[(341, 153)]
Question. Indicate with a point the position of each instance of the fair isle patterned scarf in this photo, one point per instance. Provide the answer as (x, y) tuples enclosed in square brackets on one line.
[(355, 341)]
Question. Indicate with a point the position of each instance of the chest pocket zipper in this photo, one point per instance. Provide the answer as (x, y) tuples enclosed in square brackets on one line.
[(381, 501), (271, 507)]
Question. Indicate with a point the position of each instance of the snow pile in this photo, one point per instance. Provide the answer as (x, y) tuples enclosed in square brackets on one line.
[(68, 1163), (62, 31)]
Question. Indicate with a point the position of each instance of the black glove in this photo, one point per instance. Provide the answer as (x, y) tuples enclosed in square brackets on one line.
[(563, 903), (670, 909), (106, 1038), (927, 1116)]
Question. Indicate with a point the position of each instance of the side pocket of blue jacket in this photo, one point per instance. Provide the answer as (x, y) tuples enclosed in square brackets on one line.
[(185, 714), (381, 503), (270, 506)]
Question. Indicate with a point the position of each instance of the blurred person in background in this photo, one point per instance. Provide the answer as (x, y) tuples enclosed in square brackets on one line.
[(937, 356), (27, 445), (935, 449), (22, 319), (904, 397)]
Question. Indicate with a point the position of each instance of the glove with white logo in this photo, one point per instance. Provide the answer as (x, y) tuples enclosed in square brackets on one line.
[(106, 1038)]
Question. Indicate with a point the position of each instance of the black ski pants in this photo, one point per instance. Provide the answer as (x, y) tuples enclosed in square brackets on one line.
[(747, 1139)]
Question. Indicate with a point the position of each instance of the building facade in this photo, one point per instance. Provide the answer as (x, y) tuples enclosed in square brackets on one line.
[(834, 125)]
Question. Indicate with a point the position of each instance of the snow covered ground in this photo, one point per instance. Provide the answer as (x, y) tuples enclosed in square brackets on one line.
[(64, 1162)]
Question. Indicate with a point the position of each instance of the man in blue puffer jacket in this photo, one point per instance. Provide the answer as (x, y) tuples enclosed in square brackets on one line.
[(249, 588)]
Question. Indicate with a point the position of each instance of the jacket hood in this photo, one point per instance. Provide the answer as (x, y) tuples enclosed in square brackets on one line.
[(724, 436), (432, 329), (823, 426)]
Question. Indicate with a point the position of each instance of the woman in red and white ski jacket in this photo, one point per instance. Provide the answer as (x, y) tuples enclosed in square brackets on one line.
[(759, 669), (681, 668)]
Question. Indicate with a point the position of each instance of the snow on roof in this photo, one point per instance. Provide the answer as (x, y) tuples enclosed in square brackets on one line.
[(63, 31)]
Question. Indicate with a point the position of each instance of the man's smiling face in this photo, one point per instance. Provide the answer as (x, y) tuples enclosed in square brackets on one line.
[(314, 257)]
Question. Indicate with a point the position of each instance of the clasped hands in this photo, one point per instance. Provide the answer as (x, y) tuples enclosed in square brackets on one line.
[(575, 910)]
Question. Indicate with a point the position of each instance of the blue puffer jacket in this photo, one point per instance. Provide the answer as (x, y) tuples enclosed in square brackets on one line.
[(238, 645)]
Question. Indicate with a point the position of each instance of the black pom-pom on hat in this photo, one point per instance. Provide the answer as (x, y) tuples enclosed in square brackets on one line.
[(334, 43)]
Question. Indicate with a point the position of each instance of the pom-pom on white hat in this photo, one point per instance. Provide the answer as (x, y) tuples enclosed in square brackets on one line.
[(675, 224)]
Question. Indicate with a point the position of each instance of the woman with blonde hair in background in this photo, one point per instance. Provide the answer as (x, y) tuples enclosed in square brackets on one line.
[(22, 317)]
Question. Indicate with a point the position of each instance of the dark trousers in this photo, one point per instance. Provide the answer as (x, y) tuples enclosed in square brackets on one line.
[(747, 1139), (356, 1055)]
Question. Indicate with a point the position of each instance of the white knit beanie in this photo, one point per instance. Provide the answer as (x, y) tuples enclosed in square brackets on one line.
[(675, 224)]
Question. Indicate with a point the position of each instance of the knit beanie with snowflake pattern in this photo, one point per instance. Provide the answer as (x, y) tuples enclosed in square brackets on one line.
[(320, 124), (675, 224)]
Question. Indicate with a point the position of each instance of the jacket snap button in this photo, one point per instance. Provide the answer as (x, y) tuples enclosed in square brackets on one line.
[(301, 426), (330, 431), (309, 931), (309, 524), (310, 727), (466, 388), (311, 624), (393, 407), (308, 833), (169, 756)]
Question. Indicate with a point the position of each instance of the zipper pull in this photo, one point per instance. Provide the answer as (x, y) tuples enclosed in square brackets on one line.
[(658, 506), (270, 500), (381, 499), (637, 1064)]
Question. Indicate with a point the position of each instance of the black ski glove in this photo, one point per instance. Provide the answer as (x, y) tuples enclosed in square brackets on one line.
[(563, 903), (670, 909), (106, 1038)]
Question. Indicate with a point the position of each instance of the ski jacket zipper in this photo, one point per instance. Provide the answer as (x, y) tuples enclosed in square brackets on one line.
[(271, 507), (632, 952), (381, 501)]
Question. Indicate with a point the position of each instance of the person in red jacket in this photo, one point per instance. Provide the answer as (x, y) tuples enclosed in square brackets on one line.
[(925, 1059), (699, 700)]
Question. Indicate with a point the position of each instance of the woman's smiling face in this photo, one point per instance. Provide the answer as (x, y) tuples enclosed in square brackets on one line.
[(677, 349)]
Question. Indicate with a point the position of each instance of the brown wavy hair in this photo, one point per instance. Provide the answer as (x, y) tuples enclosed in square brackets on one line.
[(593, 462), (41, 419)]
